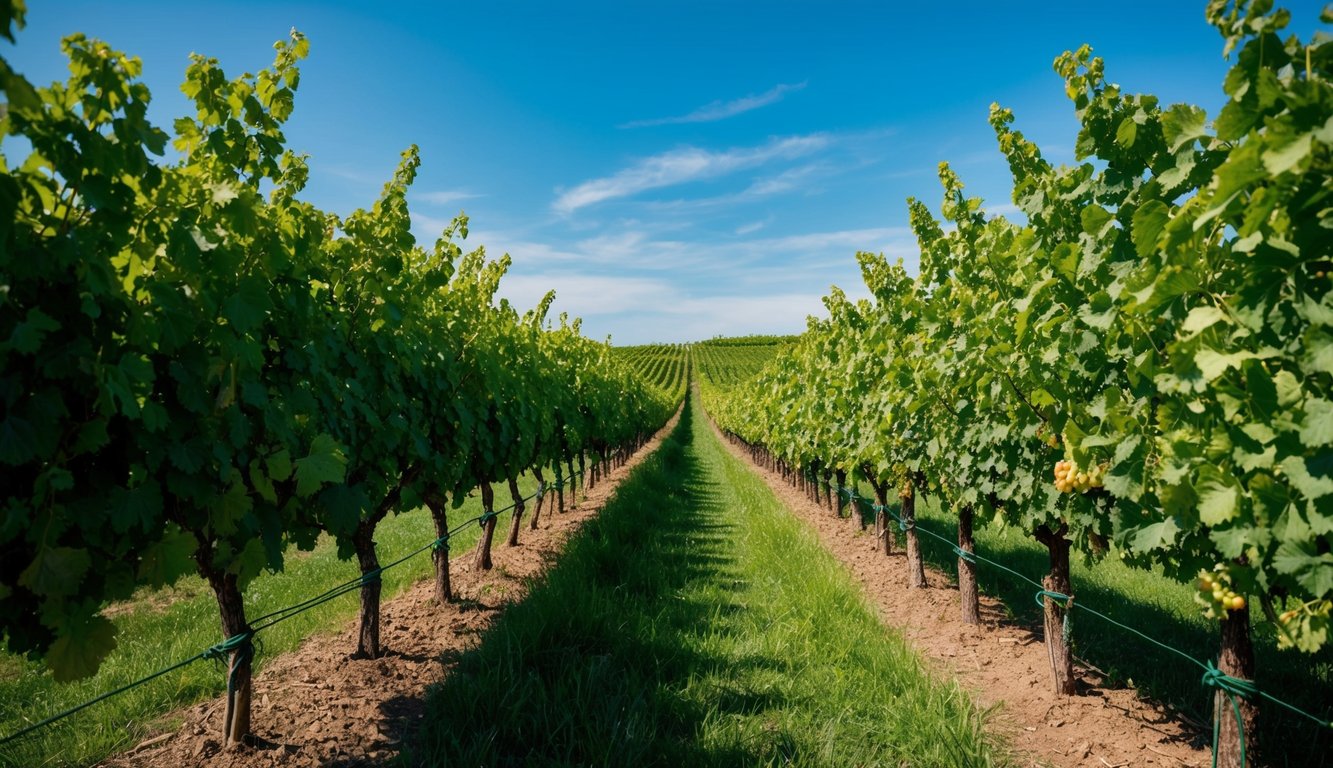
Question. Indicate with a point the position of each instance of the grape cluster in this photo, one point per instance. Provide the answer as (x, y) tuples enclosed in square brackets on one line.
[(1069, 478), (1215, 592)]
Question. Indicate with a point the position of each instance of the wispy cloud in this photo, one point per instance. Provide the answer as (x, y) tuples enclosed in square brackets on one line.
[(754, 226), (444, 196), (721, 110), (783, 182), (683, 165)]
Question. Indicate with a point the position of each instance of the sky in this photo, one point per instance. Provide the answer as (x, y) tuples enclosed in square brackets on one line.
[(674, 170)]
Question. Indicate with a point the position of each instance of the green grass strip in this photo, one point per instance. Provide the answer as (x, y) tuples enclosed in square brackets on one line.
[(696, 622)]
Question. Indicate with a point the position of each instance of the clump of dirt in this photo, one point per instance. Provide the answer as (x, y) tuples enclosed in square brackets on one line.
[(317, 706), (1002, 663)]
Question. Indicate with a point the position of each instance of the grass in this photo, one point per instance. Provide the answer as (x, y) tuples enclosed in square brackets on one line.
[(168, 626), (696, 622), (1160, 608)]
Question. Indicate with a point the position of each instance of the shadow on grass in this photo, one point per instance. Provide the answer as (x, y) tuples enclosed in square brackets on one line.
[(586, 670)]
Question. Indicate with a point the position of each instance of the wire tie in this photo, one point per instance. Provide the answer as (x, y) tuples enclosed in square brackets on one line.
[(1056, 596), (1232, 687), (236, 642), (964, 555), (441, 543)]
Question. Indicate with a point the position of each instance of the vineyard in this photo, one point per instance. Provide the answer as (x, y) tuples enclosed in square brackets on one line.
[(1080, 459)]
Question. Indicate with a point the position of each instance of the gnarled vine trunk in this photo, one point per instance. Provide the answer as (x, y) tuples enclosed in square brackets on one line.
[(482, 561), (363, 541), (1056, 611), (884, 536), (518, 512), (916, 568), (840, 477), (368, 637), (1237, 660), (231, 607), (543, 492), (439, 510), (559, 487), (967, 569)]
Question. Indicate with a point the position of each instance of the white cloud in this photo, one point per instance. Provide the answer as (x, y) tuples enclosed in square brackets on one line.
[(783, 182), (444, 196), (684, 165), (427, 228), (752, 227), (584, 295), (720, 110), (635, 310)]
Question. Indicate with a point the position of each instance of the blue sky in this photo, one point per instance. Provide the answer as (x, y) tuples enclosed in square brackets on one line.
[(675, 170)]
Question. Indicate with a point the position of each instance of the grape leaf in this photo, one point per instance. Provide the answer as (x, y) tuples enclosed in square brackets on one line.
[(82, 644), (324, 464), (56, 571)]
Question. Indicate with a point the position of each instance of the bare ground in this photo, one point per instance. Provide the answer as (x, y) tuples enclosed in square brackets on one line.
[(317, 706), (1001, 662)]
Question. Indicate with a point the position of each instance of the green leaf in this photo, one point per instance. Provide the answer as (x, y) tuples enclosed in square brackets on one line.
[(1313, 485), (18, 440), (232, 507), (1148, 222), (245, 308), (1182, 124), (1319, 350), (168, 559), (279, 466), (1283, 159), (1095, 218), (80, 648), (343, 507), (1289, 390), (56, 571), (1202, 317), (324, 464), (1125, 134), (1218, 497), (1317, 428), (1212, 363), (27, 336), (1313, 571), (1160, 535)]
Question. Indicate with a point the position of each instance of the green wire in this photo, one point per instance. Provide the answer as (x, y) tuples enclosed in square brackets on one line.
[(242, 642), (1212, 677)]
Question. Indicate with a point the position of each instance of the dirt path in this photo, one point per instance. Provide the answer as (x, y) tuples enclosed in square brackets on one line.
[(318, 707), (1003, 664)]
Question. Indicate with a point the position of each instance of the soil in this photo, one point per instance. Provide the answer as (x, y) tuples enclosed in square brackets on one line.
[(317, 706), (1002, 663)]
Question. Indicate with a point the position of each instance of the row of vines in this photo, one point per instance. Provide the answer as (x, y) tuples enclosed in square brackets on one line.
[(199, 370), (664, 366), (1144, 367), (728, 362)]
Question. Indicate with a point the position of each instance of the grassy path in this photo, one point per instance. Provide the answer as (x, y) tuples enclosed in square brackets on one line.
[(695, 622)]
